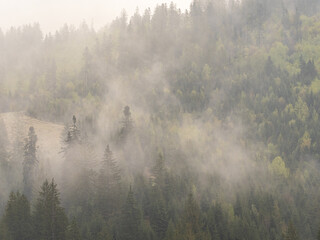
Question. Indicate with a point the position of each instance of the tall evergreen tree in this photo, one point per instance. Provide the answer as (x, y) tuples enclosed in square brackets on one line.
[(291, 232), (158, 214), (109, 185), (73, 231), (17, 217), (50, 221), (159, 171), (110, 168), (126, 123), (71, 149), (30, 162), (6, 166), (190, 226), (3, 147), (4, 232), (131, 219)]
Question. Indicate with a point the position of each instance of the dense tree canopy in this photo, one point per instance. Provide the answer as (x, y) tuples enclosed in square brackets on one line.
[(200, 124)]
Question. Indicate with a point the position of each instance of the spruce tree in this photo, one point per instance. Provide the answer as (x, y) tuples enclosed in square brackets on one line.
[(131, 219), (73, 232), (50, 221), (109, 185), (17, 217), (159, 172), (126, 124), (192, 216), (30, 162), (110, 169), (158, 214), (291, 232), (6, 166), (4, 232)]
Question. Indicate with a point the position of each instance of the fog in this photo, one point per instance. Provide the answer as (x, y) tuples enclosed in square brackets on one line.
[(52, 15), (201, 123)]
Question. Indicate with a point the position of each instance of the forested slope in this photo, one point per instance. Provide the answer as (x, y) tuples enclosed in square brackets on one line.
[(201, 124)]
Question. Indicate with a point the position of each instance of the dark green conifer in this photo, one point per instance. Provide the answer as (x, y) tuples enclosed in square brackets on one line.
[(17, 217), (50, 221), (131, 219), (30, 162)]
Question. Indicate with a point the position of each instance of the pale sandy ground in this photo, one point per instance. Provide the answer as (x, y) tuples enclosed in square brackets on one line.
[(49, 144)]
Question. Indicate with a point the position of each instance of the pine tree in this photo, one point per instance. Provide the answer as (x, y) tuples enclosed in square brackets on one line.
[(3, 147), (131, 219), (109, 185), (30, 162), (127, 123), (171, 232), (73, 232), (159, 172), (6, 166), (73, 132), (190, 226), (50, 221), (110, 169), (17, 217), (192, 215), (237, 206), (72, 151), (291, 232), (158, 214), (4, 232), (51, 76)]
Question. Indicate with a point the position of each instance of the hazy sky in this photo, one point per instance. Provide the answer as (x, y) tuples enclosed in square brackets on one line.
[(52, 14)]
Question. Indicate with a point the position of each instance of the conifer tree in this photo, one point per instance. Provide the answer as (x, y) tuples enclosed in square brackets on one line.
[(291, 232), (131, 219), (110, 169), (171, 233), (17, 217), (50, 221), (30, 162), (190, 226), (6, 166), (109, 184), (158, 214), (73, 232), (192, 215), (159, 171), (3, 147), (4, 232), (72, 150), (126, 123)]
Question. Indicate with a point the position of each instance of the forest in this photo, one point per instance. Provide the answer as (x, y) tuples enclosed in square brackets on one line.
[(195, 125)]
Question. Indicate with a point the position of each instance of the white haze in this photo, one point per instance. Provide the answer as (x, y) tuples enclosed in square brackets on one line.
[(52, 14)]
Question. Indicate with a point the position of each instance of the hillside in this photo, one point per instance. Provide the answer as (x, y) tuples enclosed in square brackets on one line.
[(17, 125), (201, 124)]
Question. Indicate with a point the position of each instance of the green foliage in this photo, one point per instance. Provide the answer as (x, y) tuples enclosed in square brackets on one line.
[(291, 233), (109, 187), (278, 167), (315, 86), (73, 231), (30, 161), (210, 87), (49, 218), (130, 226), (17, 217)]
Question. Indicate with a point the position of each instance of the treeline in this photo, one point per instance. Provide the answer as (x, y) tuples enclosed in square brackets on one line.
[(223, 141), (159, 205)]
